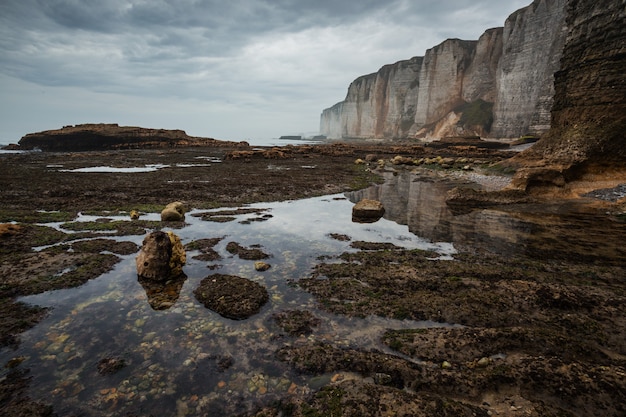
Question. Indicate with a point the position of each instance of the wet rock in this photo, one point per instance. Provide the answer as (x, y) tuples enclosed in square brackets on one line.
[(296, 322), (107, 366), (134, 214), (250, 254), (9, 229), (231, 296), (161, 257), (173, 212), (178, 257), (367, 211), (261, 266)]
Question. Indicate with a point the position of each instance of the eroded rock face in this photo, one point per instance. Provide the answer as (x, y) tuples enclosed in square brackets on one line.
[(508, 68), (379, 105), (589, 112), (231, 296), (533, 45)]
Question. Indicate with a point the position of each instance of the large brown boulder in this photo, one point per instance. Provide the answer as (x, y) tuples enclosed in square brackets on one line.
[(161, 257)]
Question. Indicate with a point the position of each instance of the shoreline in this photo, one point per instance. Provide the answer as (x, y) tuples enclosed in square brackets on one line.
[(544, 313)]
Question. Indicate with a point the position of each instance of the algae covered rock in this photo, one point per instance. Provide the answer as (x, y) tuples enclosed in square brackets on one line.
[(162, 256), (231, 296)]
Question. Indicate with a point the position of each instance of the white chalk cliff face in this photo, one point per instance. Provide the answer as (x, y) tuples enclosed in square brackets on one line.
[(498, 86)]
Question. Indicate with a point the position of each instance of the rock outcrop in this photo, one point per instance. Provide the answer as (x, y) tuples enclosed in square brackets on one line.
[(102, 136), (589, 113), (498, 86), (230, 296)]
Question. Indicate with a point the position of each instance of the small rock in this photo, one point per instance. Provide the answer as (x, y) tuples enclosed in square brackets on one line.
[(173, 212), (367, 211), (446, 365), (483, 362), (261, 266)]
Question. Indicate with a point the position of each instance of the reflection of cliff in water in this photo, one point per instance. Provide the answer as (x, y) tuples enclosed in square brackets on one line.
[(555, 231)]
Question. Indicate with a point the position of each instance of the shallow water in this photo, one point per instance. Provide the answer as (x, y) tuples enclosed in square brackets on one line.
[(186, 359), (175, 358)]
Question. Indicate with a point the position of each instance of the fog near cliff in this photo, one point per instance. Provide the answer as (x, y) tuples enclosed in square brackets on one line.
[(227, 69)]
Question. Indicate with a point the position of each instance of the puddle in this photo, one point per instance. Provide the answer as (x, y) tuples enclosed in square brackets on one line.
[(565, 230), (187, 358), (128, 170)]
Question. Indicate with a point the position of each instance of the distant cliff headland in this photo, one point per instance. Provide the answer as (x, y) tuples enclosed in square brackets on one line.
[(109, 136), (499, 86)]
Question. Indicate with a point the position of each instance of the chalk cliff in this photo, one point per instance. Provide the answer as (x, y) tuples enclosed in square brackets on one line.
[(589, 112), (500, 85), (532, 47), (377, 105)]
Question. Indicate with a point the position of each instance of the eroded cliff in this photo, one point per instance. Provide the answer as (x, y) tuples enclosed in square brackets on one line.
[(377, 105), (533, 41), (587, 134), (498, 86)]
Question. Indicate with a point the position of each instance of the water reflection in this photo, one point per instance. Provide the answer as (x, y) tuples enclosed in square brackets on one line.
[(162, 295), (179, 357), (183, 359), (559, 230)]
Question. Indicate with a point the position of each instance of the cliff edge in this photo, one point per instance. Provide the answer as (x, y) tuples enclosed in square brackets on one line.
[(499, 86), (587, 133)]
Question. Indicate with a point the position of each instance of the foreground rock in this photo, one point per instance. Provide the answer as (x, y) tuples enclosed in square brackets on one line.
[(231, 296), (162, 256)]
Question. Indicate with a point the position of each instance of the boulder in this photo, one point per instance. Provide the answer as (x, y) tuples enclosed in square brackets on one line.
[(173, 212), (231, 296), (161, 257), (367, 211)]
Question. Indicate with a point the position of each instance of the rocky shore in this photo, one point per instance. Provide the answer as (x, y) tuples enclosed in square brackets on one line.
[(542, 331)]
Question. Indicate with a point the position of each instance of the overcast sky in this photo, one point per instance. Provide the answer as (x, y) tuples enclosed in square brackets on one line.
[(228, 69)]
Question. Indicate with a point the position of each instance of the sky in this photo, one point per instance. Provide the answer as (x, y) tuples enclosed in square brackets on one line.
[(226, 69)]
